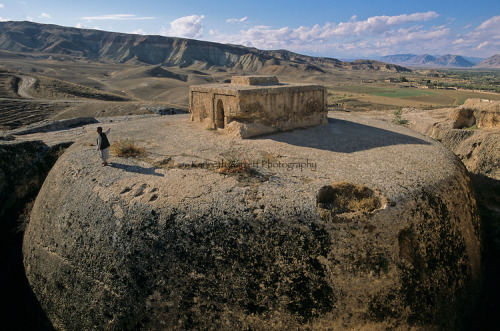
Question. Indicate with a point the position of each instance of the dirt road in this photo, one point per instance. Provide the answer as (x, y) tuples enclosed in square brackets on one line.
[(26, 83)]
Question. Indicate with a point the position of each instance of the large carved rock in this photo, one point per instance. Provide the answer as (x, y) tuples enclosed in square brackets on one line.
[(258, 105), (349, 224), (486, 112)]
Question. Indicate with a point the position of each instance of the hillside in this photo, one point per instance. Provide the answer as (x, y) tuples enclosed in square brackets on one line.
[(29, 37), (426, 60), (450, 60), (490, 63)]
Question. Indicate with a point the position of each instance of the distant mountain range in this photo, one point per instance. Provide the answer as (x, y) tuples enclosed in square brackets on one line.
[(491, 62), (443, 61), (44, 40)]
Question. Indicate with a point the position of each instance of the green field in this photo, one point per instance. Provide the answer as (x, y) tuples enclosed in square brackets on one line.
[(401, 93), (380, 96), (384, 91)]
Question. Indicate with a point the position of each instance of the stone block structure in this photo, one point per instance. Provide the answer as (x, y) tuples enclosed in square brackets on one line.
[(258, 104)]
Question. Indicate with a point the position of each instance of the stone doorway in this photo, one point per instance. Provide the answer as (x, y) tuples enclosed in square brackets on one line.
[(219, 115)]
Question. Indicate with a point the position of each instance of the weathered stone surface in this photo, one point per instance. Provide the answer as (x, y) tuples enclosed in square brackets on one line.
[(254, 80), (248, 130), (184, 246), (486, 112), (257, 101), (478, 149), (23, 167), (462, 118)]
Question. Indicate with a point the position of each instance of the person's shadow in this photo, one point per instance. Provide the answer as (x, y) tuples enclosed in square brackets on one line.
[(136, 169)]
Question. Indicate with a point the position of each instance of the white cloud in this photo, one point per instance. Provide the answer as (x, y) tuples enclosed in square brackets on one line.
[(237, 20), (485, 39), (45, 15), (493, 23), (138, 31), (380, 24), (4, 19), (187, 27), (305, 37), (81, 26), (415, 34), (483, 45), (2, 5), (116, 17)]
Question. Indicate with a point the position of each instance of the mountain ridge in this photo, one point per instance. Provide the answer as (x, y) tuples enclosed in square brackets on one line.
[(492, 62), (426, 60), (98, 45)]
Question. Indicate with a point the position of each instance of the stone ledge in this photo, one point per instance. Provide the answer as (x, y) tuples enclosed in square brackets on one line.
[(254, 80)]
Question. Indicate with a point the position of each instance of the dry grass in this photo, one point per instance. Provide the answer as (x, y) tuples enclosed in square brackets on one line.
[(344, 197), (127, 148), (233, 167), (234, 162), (398, 119)]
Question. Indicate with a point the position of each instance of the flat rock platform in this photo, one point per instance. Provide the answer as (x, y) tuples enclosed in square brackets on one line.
[(357, 223)]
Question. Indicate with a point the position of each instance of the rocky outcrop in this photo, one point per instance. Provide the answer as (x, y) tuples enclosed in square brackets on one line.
[(485, 112), (478, 147), (462, 118), (319, 228), (375, 65), (23, 167)]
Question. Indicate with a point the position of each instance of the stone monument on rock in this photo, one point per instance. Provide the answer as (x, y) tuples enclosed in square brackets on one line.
[(254, 105)]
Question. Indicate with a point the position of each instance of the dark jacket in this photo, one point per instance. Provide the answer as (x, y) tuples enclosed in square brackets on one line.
[(104, 141)]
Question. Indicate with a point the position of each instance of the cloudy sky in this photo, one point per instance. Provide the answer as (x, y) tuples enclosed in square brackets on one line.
[(339, 29)]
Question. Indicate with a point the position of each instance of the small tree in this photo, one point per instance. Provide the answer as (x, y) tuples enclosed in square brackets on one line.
[(398, 119)]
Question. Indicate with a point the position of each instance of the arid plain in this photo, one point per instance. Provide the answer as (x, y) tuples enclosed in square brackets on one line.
[(41, 87)]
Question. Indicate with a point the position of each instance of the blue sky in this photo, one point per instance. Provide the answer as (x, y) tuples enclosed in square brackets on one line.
[(339, 29)]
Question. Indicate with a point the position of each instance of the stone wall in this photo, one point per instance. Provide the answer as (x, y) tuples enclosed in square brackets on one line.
[(284, 109), (269, 106), (254, 80)]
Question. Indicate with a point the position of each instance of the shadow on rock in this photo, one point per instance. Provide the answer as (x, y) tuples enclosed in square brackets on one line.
[(18, 305), (137, 169), (345, 137), (488, 196)]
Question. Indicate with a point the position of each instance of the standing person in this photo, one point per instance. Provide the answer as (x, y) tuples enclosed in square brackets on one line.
[(103, 145)]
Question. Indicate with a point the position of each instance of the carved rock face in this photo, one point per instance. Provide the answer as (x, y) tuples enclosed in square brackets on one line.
[(463, 118), (267, 241)]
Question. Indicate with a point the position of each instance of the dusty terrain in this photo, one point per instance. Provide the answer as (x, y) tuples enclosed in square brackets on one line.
[(41, 86), (33, 89)]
